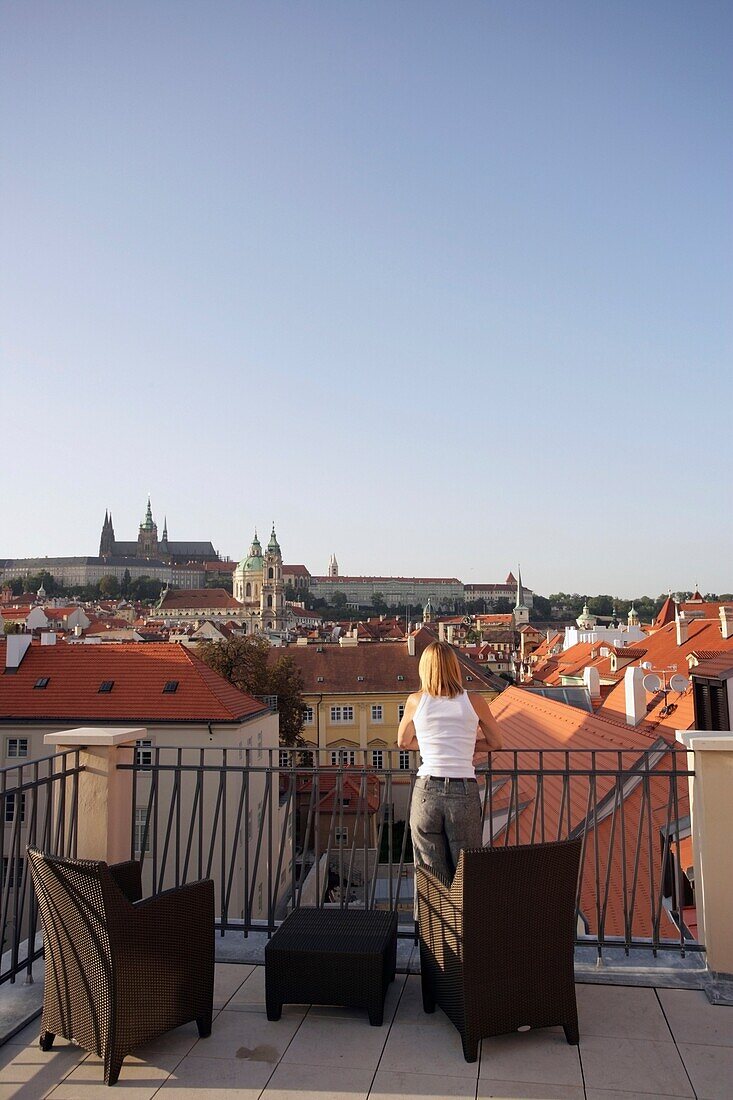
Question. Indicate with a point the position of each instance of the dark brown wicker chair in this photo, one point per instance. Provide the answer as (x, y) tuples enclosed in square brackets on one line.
[(496, 945), (120, 971)]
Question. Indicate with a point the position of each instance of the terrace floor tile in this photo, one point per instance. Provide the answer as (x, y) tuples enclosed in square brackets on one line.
[(540, 1057), (332, 1041), (636, 1065), (710, 1069), (621, 1012), (694, 1020), (297, 1082)]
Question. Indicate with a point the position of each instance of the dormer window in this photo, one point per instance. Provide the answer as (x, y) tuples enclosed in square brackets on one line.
[(105, 687)]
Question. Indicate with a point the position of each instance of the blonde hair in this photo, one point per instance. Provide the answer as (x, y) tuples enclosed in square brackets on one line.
[(440, 672)]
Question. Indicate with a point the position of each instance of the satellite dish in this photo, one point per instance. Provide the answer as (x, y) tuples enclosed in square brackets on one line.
[(651, 683), (679, 683)]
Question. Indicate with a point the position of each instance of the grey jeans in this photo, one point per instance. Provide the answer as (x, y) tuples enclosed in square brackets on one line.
[(445, 816)]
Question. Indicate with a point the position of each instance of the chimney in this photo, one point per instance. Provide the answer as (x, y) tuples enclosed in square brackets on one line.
[(449, 634), (635, 695), (681, 624), (726, 620), (16, 647), (48, 637), (411, 645), (592, 681), (441, 632), (78, 631)]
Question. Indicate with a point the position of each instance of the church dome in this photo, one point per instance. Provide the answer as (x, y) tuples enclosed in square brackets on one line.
[(254, 562)]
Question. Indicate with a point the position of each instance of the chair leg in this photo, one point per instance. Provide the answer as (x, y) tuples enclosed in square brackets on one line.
[(274, 1009), (376, 1015), (112, 1067), (428, 1001), (46, 1040), (571, 1033), (203, 1023), (470, 1048)]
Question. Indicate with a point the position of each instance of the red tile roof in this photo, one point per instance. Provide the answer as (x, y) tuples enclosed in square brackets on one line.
[(139, 672), (535, 724)]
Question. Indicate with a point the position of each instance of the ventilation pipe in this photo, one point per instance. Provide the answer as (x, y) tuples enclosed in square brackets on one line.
[(635, 695), (592, 681), (681, 625), (16, 647)]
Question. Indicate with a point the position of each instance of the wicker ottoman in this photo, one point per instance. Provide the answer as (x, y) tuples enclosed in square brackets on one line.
[(332, 957)]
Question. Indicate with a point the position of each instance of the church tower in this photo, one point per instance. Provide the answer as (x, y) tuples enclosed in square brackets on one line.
[(272, 600), (147, 537), (163, 544), (521, 611), (333, 566), (107, 541)]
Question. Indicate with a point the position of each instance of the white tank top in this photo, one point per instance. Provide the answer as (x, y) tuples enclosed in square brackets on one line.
[(446, 731)]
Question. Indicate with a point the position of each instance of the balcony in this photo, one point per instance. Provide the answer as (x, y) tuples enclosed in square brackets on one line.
[(275, 831)]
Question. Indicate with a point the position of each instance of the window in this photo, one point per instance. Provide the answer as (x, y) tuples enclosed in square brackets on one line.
[(17, 746), (170, 687), (377, 712), (342, 835), (377, 758), (285, 758), (269, 601), (144, 754), (141, 814), (248, 589), (344, 757), (105, 687), (342, 714), (404, 760), (41, 682), (308, 716), (10, 808), (270, 573), (12, 869), (400, 711)]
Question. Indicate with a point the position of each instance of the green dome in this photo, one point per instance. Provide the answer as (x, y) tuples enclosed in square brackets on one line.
[(254, 562)]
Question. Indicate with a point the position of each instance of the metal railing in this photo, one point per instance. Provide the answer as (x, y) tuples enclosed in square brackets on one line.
[(277, 830), (38, 808)]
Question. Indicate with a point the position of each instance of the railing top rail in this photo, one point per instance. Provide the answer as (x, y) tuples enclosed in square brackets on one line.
[(55, 758)]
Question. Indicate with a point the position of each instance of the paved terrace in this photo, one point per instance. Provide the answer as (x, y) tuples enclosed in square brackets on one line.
[(635, 1042)]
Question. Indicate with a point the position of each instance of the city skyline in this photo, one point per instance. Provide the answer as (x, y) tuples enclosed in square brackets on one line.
[(437, 290)]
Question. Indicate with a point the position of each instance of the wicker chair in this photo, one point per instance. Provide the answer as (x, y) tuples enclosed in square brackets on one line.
[(120, 971), (496, 945)]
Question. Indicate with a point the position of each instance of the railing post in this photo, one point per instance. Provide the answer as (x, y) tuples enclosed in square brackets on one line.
[(104, 799), (710, 757)]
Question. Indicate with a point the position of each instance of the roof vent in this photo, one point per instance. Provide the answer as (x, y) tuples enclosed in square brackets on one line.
[(400, 676), (319, 649), (319, 679), (170, 687), (105, 687), (360, 679)]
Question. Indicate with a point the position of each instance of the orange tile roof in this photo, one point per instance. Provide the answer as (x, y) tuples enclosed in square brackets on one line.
[(662, 652), (561, 804), (139, 672), (198, 598)]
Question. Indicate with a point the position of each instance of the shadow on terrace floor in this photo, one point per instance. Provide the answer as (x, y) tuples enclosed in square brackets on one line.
[(634, 1042)]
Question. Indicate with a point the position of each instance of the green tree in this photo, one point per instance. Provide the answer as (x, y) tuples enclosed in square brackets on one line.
[(601, 605), (125, 583), (109, 586), (339, 601), (541, 608), (503, 606), (379, 604), (249, 665), (12, 628)]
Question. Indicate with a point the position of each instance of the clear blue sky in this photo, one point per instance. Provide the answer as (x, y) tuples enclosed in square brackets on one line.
[(438, 286)]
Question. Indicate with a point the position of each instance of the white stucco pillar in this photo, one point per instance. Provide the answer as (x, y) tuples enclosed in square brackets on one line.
[(104, 822), (710, 756)]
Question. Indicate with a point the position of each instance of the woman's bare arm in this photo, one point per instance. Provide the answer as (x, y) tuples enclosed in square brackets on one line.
[(489, 737), (406, 737)]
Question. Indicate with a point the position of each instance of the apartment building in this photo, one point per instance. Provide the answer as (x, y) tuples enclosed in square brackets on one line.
[(183, 706)]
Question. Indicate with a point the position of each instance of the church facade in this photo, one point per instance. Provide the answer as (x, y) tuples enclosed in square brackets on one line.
[(258, 585), (149, 547)]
